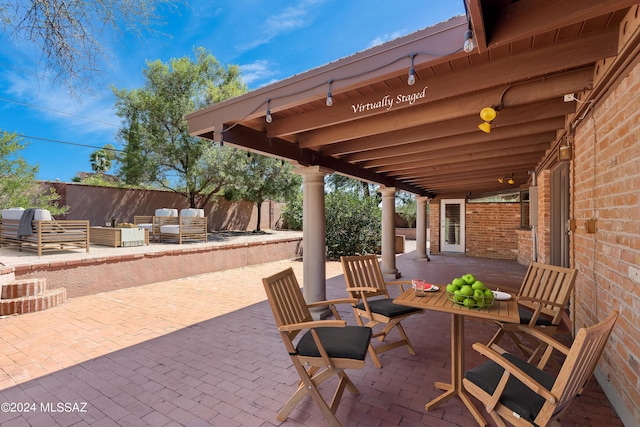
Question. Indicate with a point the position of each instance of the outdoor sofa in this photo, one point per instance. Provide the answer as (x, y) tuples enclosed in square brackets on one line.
[(162, 216), (36, 230)]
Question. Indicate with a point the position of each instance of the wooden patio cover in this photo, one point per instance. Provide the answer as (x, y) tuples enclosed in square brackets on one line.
[(424, 138)]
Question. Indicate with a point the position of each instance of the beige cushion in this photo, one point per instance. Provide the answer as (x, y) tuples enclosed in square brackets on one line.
[(12, 213), (170, 229), (198, 213), (42, 215), (166, 212)]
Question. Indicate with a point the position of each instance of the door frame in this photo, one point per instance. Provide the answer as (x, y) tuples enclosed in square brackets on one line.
[(559, 251), (444, 246)]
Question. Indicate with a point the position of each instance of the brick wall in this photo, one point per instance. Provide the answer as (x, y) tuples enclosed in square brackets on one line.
[(434, 225), (525, 246), (543, 234), (490, 229), (606, 175)]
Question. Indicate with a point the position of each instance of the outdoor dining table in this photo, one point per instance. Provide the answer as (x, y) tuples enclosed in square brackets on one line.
[(504, 311)]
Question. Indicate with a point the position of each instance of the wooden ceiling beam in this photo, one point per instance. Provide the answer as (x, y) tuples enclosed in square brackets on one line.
[(524, 19), (255, 141), (533, 127), (444, 157), (509, 116), (529, 65), (521, 160)]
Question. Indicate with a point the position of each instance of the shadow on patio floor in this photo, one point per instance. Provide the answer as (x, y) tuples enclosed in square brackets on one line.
[(203, 350)]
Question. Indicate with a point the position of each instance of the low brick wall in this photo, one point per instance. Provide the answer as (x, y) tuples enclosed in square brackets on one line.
[(90, 276)]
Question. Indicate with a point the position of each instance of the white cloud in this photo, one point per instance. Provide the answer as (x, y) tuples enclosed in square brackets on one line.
[(257, 71), (292, 18), (82, 114)]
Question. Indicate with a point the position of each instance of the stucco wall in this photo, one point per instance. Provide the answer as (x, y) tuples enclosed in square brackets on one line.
[(99, 204)]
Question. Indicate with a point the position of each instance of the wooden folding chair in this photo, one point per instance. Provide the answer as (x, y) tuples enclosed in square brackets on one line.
[(523, 394), (542, 301), (366, 283), (324, 350)]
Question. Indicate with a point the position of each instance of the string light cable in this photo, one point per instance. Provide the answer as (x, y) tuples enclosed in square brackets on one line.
[(267, 103)]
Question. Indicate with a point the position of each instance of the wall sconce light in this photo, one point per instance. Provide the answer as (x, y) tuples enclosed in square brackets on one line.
[(411, 80), (329, 96), (565, 153), (268, 118)]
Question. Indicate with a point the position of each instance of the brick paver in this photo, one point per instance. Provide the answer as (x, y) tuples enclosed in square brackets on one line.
[(203, 350)]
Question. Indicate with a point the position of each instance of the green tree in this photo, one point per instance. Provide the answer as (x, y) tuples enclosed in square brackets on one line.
[(69, 33), (407, 208), (292, 212), (18, 184), (353, 222), (102, 159), (264, 178), (154, 124), (132, 158), (345, 183)]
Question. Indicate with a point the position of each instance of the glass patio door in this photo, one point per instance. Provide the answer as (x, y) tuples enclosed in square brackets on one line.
[(452, 225)]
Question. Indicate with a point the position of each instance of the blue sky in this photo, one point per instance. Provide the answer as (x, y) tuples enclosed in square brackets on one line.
[(269, 40)]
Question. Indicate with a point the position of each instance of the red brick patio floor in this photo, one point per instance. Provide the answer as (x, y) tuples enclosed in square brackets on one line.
[(203, 351)]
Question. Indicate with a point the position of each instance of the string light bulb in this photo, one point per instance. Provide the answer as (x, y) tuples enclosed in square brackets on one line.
[(268, 118), (411, 80), (329, 95), (468, 41)]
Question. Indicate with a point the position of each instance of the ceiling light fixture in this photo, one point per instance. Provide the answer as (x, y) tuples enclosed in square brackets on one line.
[(488, 114), (329, 96), (268, 118), (509, 180), (411, 80)]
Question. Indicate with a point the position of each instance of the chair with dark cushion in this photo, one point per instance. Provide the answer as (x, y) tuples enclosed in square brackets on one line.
[(366, 283), (325, 348), (542, 301), (523, 394)]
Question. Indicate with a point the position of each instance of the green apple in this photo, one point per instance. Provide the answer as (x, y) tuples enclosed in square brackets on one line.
[(451, 288), (478, 285), (478, 295), (469, 302), (458, 281), (468, 278), (457, 296), (466, 290)]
